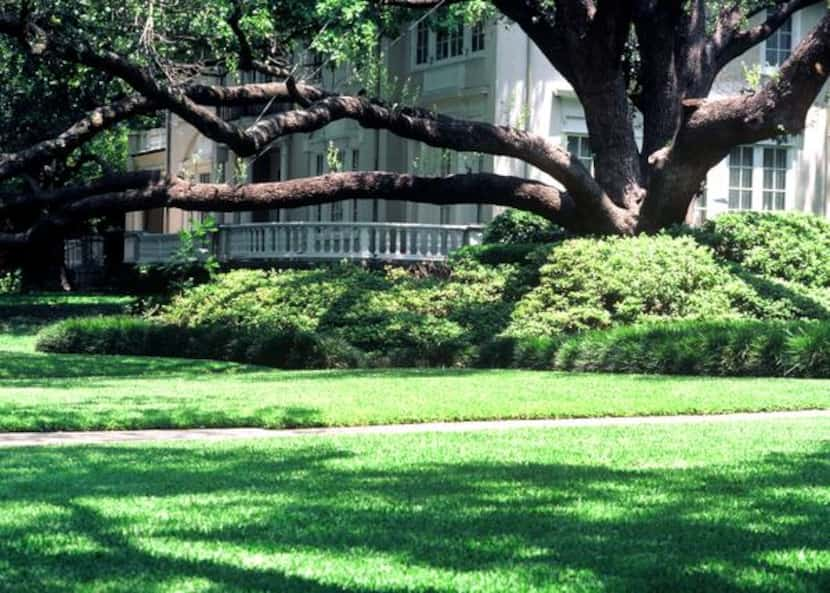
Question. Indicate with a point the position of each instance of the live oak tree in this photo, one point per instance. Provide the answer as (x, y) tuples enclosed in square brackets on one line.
[(108, 65)]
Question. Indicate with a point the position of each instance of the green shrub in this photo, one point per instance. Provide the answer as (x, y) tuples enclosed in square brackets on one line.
[(281, 348), (792, 246), (495, 253), (111, 335), (599, 283), (536, 352), (720, 348), (395, 315), (11, 282), (518, 226)]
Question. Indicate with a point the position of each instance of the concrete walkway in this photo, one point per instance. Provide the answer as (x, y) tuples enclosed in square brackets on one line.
[(29, 439)]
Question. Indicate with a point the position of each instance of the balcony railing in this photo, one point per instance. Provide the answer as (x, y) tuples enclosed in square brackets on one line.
[(314, 241)]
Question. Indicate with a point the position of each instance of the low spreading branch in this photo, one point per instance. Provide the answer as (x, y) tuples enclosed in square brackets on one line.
[(81, 132)]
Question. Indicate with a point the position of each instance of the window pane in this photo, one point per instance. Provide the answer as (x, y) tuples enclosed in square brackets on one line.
[(781, 158)]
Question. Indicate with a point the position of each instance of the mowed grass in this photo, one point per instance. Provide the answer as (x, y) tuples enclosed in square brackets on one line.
[(40, 392), (740, 507)]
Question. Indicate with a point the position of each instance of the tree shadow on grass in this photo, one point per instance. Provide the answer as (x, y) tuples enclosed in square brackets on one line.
[(197, 513)]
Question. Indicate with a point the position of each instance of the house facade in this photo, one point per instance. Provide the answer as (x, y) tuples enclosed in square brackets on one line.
[(488, 72)]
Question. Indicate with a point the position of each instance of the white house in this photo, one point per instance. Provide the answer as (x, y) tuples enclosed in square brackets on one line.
[(489, 72)]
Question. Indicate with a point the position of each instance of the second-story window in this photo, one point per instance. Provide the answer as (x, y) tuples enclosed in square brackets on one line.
[(422, 43), (456, 41), (442, 44), (779, 45), (449, 42), (478, 37)]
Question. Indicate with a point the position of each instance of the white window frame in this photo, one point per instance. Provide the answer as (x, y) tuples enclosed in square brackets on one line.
[(432, 47), (423, 33), (758, 169), (795, 35), (478, 36), (776, 173), (741, 188)]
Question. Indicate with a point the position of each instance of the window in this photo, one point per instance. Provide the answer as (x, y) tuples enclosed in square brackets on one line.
[(319, 164), (442, 44), (355, 160), (580, 147), (741, 164), (478, 36), (457, 41), (779, 44), (775, 178), (204, 178), (449, 42), (337, 211), (422, 43)]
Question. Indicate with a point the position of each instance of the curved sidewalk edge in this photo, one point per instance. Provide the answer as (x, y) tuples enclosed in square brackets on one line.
[(31, 439)]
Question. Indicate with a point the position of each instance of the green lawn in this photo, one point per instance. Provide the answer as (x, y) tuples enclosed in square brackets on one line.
[(74, 392), (741, 507)]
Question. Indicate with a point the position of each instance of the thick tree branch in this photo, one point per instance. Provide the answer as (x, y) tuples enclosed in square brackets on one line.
[(81, 132), (250, 94), (40, 40), (436, 130), (730, 41), (11, 202), (780, 107), (714, 127), (459, 189)]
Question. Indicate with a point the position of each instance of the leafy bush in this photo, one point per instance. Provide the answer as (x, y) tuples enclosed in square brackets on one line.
[(518, 226), (535, 352), (284, 348), (11, 282), (396, 316), (496, 253), (599, 283), (721, 348), (792, 246)]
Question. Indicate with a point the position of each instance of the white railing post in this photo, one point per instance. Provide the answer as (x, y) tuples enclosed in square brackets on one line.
[(314, 241)]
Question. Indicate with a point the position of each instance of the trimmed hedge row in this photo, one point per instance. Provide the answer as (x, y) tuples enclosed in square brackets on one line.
[(720, 348), (133, 336)]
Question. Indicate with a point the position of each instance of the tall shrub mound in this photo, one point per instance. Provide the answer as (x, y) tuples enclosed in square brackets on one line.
[(598, 283), (398, 317), (792, 246)]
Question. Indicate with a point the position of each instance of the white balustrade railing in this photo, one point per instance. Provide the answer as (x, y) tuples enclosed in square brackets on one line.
[(149, 248), (316, 241)]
